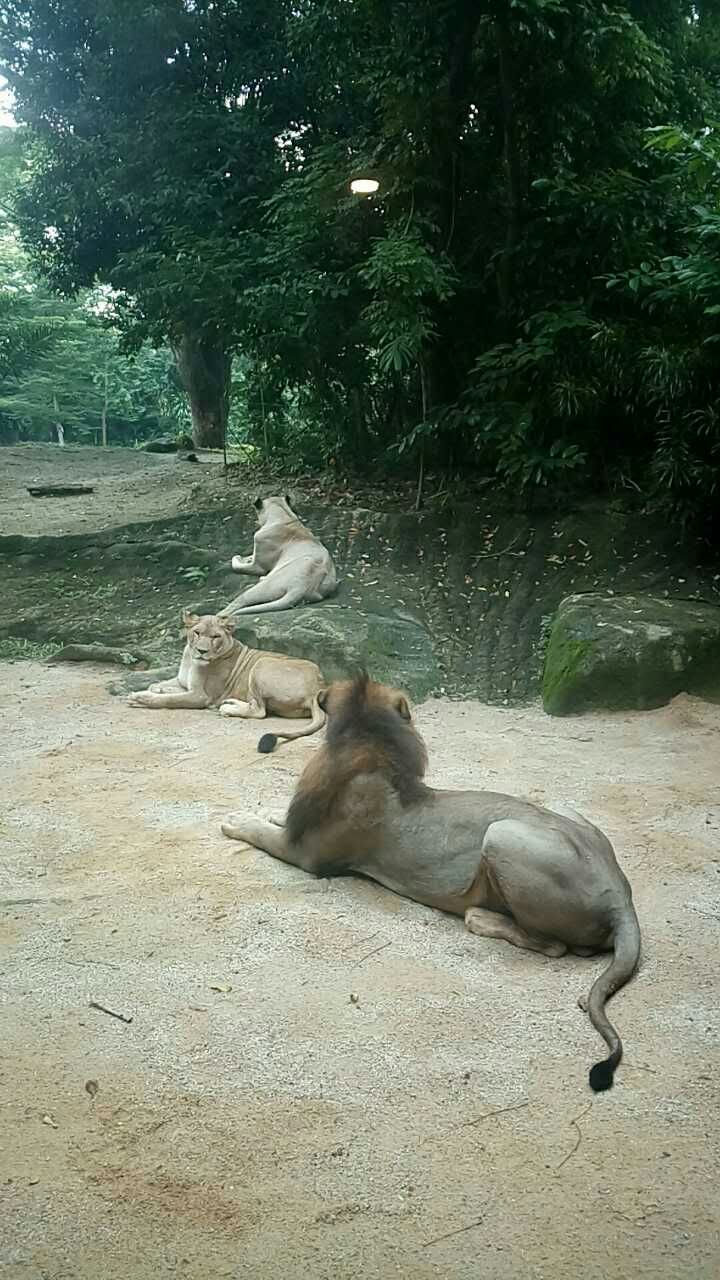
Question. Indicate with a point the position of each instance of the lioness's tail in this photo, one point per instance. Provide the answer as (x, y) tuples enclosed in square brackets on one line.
[(619, 971), (269, 741)]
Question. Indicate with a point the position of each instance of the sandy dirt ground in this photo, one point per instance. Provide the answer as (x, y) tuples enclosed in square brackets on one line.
[(128, 486), (321, 1079)]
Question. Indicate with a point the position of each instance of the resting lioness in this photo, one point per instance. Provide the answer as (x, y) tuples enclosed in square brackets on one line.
[(293, 566), (513, 869), (216, 670)]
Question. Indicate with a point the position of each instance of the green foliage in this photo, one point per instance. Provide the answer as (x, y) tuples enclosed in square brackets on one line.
[(16, 649), (194, 573), (405, 279)]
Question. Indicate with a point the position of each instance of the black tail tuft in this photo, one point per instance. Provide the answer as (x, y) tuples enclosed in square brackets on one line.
[(602, 1075), (267, 743)]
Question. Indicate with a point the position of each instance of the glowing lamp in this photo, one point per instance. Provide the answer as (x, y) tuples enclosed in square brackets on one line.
[(364, 186)]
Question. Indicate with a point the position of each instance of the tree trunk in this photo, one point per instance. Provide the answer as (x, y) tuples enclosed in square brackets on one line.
[(443, 381), (103, 415), (58, 424), (204, 367), (511, 165)]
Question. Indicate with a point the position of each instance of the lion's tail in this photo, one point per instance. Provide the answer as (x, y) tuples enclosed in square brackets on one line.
[(269, 741), (619, 971)]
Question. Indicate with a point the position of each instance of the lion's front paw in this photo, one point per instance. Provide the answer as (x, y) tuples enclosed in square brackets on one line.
[(143, 699), (237, 827)]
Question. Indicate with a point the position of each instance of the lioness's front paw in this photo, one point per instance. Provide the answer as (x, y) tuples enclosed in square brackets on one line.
[(233, 707), (239, 562), (143, 699)]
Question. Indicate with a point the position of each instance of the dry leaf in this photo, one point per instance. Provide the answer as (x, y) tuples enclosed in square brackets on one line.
[(223, 987), (91, 1087), (49, 1121), (354, 997)]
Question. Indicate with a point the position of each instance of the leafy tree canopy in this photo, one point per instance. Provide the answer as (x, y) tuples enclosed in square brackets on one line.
[(531, 291)]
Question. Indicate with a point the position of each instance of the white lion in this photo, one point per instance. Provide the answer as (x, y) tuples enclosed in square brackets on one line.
[(292, 565)]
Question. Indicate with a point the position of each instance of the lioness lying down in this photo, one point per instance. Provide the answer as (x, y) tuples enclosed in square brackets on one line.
[(216, 670), (514, 870), (292, 565)]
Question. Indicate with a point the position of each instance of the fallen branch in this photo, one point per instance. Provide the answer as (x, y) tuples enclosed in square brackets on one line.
[(98, 653), (122, 1017), (58, 490)]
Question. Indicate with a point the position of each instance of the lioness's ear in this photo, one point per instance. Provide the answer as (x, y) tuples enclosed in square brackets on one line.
[(402, 708), (189, 619), (288, 499), (322, 699), (258, 503), (228, 624)]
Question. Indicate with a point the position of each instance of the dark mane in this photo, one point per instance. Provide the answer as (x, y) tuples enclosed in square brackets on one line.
[(361, 719), (364, 735)]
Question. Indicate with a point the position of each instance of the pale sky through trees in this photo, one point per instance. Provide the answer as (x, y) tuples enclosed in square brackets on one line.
[(7, 119)]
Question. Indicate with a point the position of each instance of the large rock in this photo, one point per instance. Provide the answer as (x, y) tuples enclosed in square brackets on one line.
[(161, 444), (394, 646), (164, 550), (630, 652)]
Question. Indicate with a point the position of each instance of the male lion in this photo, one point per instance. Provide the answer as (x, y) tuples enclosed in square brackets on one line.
[(293, 566), (513, 869), (216, 670)]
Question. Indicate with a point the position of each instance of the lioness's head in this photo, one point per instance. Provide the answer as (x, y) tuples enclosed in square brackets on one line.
[(209, 637), (275, 509)]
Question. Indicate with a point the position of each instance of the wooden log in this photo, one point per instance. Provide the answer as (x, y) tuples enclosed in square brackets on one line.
[(58, 490), (106, 654)]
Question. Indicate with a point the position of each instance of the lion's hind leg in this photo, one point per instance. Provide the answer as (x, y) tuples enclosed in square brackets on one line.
[(268, 590), (274, 604), (490, 924)]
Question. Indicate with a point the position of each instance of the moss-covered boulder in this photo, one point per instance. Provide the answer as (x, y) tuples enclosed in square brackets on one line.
[(394, 646), (621, 653)]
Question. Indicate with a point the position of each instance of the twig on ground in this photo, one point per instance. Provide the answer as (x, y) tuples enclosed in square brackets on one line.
[(358, 943), (122, 1017), (492, 555), (371, 953), (501, 1111), (457, 1232), (578, 1140)]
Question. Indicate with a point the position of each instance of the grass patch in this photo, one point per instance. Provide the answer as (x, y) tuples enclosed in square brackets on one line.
[(16, 649)]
